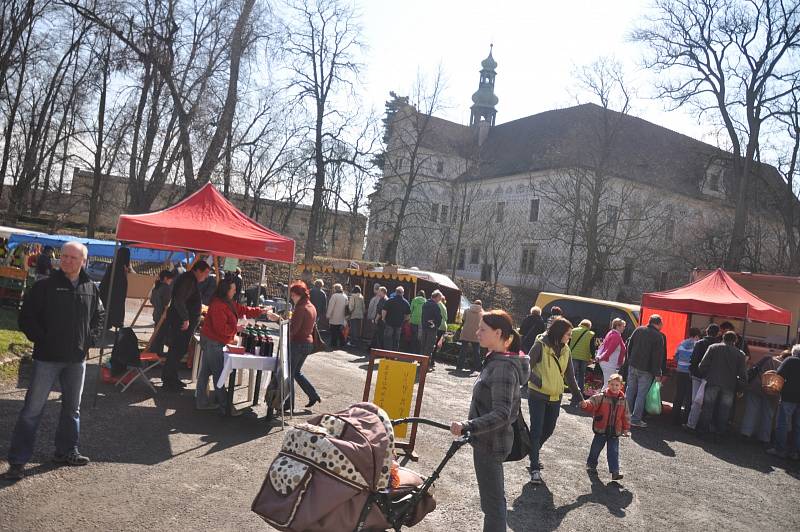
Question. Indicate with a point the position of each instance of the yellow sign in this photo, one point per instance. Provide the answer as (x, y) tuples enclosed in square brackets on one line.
[(394, 388)]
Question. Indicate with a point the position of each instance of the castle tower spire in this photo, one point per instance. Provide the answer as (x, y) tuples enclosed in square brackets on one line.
[(484, 99)]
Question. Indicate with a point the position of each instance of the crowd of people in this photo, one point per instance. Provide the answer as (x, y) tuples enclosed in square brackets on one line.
[(534, 362)]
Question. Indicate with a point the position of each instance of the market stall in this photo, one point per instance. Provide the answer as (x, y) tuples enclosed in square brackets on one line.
[(716, 296), (410, 279), (96, 247), (204, 223)]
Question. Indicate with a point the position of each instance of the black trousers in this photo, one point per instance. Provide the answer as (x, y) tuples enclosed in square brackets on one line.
[(683, 398), (178, 346)]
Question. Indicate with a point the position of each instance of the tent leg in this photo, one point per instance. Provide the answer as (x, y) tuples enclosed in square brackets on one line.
[(105, 325), (788, 333)]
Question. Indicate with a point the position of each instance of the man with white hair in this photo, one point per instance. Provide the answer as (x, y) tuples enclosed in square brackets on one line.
[(63, 316), (395, 311)]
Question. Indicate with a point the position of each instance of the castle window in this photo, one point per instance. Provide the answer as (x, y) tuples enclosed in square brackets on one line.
[(443, 214), (627, 275), (439, 167), (669, 230), (434, 212), (534, 214), (500, 212), (528, 262), (462, 257), (612, 217), (713, 182), (474, 255)]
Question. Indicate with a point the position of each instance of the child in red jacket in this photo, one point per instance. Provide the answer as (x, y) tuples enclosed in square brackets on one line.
[(612, 419)]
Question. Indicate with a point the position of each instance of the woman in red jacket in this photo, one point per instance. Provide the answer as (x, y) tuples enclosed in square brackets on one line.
[(219, 328), (301, 341)]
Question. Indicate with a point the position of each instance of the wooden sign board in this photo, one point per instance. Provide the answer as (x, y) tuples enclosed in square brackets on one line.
[(394, 390), (396, 397)]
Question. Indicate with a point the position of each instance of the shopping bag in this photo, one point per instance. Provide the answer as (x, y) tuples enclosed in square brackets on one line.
[(652, 404)]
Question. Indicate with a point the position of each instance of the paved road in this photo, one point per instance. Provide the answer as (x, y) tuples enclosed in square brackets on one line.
[(160, 465)]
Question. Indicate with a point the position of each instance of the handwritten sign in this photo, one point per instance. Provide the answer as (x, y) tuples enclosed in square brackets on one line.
[(394, 389)]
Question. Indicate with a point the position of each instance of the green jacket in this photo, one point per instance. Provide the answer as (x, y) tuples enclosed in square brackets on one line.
[(549, 371), (581, 344), (416, 310), (443, 325)]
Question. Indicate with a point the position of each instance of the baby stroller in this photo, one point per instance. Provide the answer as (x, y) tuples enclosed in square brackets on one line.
[(336, 473)]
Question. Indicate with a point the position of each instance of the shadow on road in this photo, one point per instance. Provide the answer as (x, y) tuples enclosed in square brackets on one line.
[(133, 427), (652, 438), (534, 509)]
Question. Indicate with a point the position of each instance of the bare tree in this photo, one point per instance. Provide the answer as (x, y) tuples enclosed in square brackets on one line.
[(407, 166), (320, 43), (217, 45), (732, 60)]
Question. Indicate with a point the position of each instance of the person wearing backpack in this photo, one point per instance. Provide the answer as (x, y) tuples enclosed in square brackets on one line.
[(582, 348), (551, 365), (494, 408)]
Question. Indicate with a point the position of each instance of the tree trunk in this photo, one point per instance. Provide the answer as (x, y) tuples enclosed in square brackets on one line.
[(97, 177), (238, 38), (319, 187)]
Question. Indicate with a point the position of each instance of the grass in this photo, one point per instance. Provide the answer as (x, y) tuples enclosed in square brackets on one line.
[(12, 340)]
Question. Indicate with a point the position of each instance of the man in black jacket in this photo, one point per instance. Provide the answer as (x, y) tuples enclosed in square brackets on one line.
[(63, 316), (182, 318), (647, 353), (724, 368)]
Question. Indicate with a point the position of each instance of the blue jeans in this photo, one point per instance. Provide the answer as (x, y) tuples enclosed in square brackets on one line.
[(717, 405), (492, 491), (611, 443), (70, 376), (579, 367), (638, 385), (759, 411), (211, 365), (298, 354), (391, 337), (788, 418), (544, 415)]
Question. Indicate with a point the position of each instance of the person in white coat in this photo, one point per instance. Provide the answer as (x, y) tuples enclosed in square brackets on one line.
[(337, 315)]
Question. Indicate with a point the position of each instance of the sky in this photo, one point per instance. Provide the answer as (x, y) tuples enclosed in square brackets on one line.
[(537, 44)]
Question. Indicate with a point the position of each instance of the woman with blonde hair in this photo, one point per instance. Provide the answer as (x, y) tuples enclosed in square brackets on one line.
[(612, 352)]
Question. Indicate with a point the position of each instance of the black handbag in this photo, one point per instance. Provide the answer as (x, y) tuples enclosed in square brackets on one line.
[(522, 439)]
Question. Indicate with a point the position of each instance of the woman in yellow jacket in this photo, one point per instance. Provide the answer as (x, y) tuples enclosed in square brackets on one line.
[(551, 363)]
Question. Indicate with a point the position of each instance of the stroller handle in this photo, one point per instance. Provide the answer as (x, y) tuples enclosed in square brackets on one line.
[(422, 420)]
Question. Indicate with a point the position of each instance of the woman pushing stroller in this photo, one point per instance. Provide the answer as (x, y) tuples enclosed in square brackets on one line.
[(495, 406)]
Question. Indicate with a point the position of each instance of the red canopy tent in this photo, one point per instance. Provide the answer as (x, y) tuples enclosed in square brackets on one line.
[(716, 294), (206, 222)]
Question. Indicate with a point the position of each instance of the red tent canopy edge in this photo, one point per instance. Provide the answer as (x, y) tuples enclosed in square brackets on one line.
[(206, 222), (717, 294)]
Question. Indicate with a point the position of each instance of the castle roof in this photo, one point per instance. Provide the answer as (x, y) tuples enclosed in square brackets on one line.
[(571, 138)]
